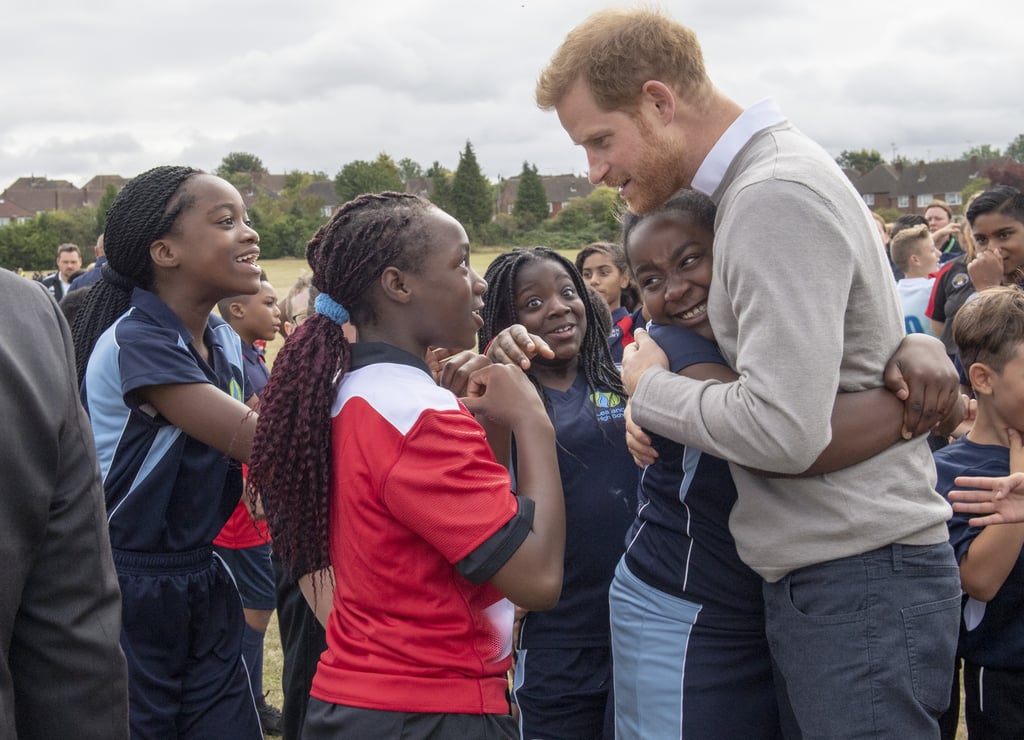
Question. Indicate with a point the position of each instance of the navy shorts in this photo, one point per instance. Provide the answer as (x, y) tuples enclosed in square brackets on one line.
[(565, 693), (181, 633), (253, 573), (326, 721)]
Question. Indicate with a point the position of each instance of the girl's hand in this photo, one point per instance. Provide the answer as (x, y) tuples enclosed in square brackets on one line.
[(1000, 500), (639, 442), (986, 270), (516, 346), (452, 370), (504, 395)]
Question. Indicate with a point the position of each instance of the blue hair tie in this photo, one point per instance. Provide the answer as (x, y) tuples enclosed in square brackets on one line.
[(331, 309)]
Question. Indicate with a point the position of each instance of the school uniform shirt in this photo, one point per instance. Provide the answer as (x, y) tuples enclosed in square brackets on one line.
[(992, 633), (599, 484), (680, 542), (621, 336), (165, 491), (422, 516), (241, 531), (952, 288)]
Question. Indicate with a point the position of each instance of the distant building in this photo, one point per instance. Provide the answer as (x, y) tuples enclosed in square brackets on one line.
[(560, 189), (12, 213), (911, 187), (39, 194)]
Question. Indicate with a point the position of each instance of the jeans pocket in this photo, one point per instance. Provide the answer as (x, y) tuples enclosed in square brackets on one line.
[(932, 631)]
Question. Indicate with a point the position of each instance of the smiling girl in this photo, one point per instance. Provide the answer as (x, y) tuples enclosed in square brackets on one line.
[(563, 671), (164, 385)]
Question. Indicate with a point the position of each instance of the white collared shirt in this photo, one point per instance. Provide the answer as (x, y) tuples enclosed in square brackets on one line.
[(756, 118)]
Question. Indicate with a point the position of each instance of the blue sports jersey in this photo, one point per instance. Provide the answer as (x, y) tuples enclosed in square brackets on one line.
[(256, 371), (599, 484), (165, 491), (623, 324), (680, 541), (991, 634)]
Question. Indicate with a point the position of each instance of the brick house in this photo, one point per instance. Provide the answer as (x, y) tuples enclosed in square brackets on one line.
[(12, 213), (39, 194), (560, 189), (909, 188)]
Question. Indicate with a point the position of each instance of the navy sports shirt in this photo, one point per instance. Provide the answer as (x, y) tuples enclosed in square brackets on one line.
[(680, 542), (165, 491)]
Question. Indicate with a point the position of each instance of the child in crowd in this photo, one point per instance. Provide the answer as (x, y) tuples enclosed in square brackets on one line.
[(368, 467), (164, 384), (244, 544), (603, 267), (688, 631), (952, 288), (917, 257), (989, 333), (997, 223), (563, 671)]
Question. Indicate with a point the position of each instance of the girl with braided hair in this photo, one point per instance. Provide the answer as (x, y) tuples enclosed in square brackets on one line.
[(164, 385), (564, 669), (383, 482)]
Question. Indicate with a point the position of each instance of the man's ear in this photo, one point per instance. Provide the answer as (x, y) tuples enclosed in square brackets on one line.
[(163, 254), (658, 96), (394, 285), (981, 377)]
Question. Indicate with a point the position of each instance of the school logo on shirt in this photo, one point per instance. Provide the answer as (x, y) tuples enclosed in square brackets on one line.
[(235, 390), (609, 405), (960, 280)]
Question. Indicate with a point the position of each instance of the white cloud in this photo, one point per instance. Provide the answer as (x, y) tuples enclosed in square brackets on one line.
[(117, 86)]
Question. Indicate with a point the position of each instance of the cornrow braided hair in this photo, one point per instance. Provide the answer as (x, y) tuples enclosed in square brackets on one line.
[(290, 465), (499, 312), (145, 210)]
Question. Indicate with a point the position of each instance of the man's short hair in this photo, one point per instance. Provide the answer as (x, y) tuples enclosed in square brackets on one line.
[(616, 51), (990, 328), (68, 247), (906, 244)]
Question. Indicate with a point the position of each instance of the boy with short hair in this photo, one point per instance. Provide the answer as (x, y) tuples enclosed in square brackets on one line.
[(989, 333), (916, 256), (244, 544)]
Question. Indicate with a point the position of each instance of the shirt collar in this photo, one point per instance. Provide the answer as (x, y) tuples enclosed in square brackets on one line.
[(151, 304), (756, 118), (369, 353)]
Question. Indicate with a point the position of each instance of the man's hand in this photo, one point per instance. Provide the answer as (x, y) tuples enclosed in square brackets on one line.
[(922, 376), (638, 357)]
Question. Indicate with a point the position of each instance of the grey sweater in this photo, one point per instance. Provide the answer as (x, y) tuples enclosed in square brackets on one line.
[(803, 305)]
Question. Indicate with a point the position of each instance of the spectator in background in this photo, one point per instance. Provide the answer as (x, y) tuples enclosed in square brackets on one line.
[(69, 261), (93, 275), (914, 253), (952, 289), (62, 672), (945, 231)]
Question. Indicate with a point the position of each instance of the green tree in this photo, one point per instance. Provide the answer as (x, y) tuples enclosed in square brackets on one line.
[(531, 206), (472, 203), (239, 168), (109, 193), (409, 169), (982, 151), (863, 161), (359, 176), (977, 185), (1015, 149), (286, 222), (440, 186)]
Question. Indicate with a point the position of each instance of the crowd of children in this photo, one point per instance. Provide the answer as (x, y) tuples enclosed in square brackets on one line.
[(436, 455)]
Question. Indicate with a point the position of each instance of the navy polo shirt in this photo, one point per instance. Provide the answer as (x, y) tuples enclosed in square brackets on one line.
[(165, 491), (680, 542), (599, 484)]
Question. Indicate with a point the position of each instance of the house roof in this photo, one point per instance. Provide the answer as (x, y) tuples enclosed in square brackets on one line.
[(924, 178), (38, 194), (13, 210), (97, 185), (324, 190), (558, 188)]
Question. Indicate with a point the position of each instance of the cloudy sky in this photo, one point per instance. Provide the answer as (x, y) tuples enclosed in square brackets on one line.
[(118, 86)]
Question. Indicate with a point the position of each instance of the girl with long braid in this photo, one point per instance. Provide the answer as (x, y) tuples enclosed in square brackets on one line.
[(384, 483), (563, 672), (164, 386)]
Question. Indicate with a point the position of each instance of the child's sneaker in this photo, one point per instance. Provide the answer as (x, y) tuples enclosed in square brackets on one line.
[(270, 717)]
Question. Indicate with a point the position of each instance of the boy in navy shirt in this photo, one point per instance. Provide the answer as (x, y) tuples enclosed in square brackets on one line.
[(989, 333)]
